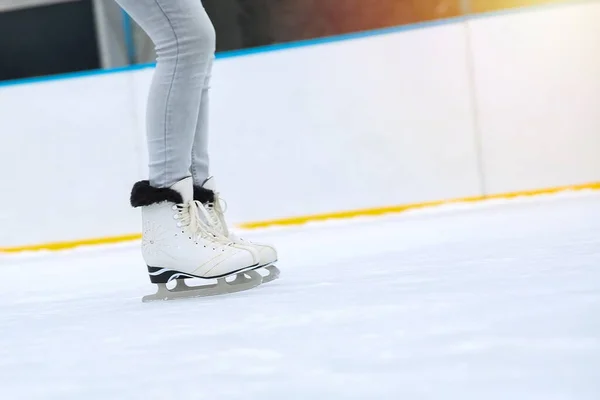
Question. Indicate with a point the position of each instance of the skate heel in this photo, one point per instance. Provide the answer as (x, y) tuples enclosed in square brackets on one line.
[(163, 275)]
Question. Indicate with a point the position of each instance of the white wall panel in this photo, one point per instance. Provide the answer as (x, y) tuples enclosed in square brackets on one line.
[(538, 90), (364, 123), (377, 121), (68, 154)]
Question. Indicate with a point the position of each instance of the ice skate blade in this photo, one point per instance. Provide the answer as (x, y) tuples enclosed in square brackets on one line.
[(274, 273), (243, 281)]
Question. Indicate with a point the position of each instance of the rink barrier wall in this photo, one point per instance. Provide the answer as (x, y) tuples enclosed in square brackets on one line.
[(377, 138), (298, 221)]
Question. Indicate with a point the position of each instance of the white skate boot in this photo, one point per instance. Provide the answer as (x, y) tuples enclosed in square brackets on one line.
[(178, 242), (207, 195)]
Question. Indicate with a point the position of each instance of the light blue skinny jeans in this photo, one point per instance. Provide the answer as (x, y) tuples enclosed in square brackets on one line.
[(178, 103)]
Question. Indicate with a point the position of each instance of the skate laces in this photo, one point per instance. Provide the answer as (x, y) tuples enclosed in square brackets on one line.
[(216, 212), (193, 216)]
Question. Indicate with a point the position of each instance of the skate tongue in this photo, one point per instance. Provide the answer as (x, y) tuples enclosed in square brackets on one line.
[(210, 184), (185, 188)]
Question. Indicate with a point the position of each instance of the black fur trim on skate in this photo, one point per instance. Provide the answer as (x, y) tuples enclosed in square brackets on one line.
[(203, 195), (142, 194)]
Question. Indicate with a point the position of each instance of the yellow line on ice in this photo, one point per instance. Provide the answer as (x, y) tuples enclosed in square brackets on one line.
[(308, 218)]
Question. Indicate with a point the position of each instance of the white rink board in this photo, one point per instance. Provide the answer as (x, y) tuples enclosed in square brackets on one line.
[(355, 124), (293, 133), (370, 122), (538, 97), (68, 154)]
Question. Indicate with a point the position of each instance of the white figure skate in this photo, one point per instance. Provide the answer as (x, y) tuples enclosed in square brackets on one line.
[(207, 195), (178, 243)]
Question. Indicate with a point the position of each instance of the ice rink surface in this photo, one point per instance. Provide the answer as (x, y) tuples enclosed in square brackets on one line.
[(499, 300)]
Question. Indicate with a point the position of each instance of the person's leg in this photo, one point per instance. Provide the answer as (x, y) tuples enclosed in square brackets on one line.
[(177, 239), (185, 43), (200, 158)]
